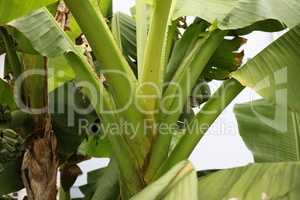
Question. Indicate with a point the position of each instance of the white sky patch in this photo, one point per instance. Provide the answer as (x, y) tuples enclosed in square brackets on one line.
[(1, 66)]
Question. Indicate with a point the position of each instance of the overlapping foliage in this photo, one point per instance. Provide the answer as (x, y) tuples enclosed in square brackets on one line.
[(155, 47)]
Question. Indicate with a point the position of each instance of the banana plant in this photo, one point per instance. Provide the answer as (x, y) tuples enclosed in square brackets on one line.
[(81, 81)]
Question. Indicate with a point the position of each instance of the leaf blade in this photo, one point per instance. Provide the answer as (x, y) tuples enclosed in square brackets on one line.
[(12, 9), (270, 131), (234, 14), (256, 181), (275, 70), (178, 183)]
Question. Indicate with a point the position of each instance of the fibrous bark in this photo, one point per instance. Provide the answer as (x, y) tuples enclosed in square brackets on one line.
[(39, 167)]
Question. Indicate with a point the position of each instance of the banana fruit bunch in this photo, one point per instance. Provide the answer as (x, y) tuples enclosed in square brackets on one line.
[(11, 146), (5, 114)]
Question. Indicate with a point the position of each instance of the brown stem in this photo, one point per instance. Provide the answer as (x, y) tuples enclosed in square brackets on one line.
[(40, 161), (39, 168)]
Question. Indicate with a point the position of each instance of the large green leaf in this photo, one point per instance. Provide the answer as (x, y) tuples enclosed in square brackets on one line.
[(43, 33), (178, 183), (49, 40), (257, 181), (271, 132), (103, 184), (59, 68), (12, 9), (234, 14), (22, 43), (274, 73)]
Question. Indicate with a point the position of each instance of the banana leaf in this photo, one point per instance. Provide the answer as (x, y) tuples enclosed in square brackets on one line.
[(256, 181), (236, 14)]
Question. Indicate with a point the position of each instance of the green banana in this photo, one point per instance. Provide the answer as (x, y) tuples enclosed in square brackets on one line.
[(11, 145), (9, 133), (8, 147)]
